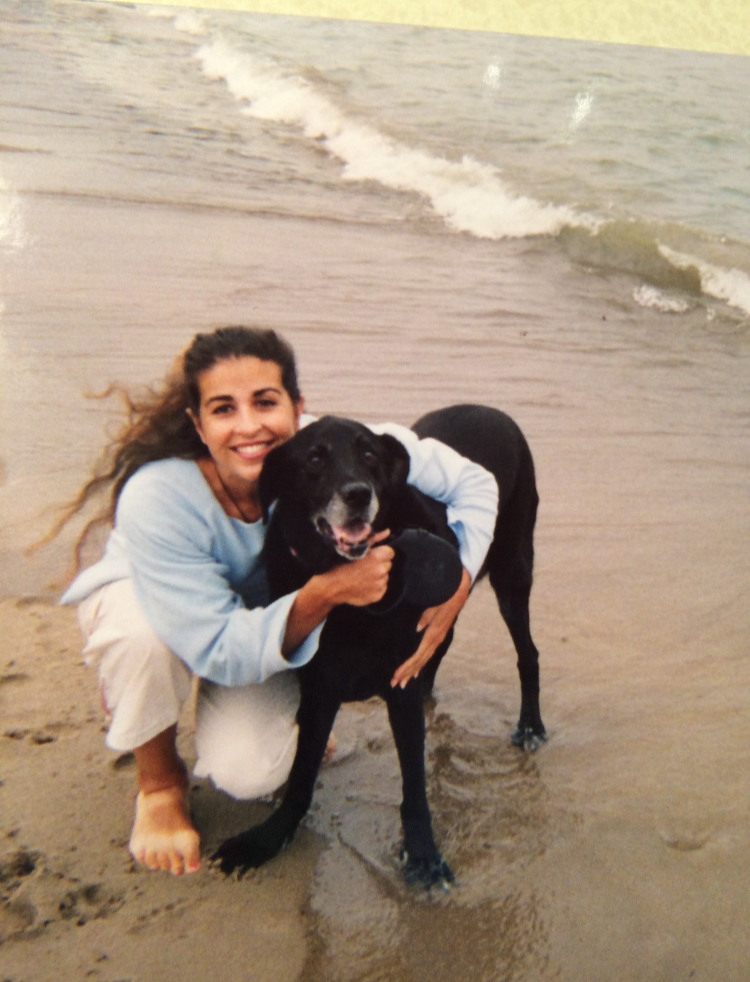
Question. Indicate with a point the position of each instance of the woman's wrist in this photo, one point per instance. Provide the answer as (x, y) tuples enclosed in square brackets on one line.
[(313, 603), (358, 583)]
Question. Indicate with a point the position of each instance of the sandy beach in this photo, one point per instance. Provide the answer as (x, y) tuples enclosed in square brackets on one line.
[(618, 852)]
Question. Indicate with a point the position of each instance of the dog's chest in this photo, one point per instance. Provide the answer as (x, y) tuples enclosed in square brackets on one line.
[(359, 652)]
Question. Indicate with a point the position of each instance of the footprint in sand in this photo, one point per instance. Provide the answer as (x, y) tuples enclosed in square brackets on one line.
[(33, 896)]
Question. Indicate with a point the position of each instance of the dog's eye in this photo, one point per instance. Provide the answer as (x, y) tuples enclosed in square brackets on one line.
[(315, 461), (369, 457)]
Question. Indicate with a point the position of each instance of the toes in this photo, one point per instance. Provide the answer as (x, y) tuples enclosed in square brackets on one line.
[(149, 859), (186, 852), (176, 863), (163, 837), (156, 860), (192, 864), (528, 738), (189, 855), (168, 858), (139, 855), (155, 857)]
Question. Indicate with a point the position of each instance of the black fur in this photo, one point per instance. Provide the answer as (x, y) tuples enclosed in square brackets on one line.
[(360, 648)]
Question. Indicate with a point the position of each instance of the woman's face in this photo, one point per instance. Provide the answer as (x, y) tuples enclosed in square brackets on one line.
[(244, 412)]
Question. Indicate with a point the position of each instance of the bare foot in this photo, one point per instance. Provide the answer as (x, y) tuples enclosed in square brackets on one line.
[(163, 836), (334, 753), (330, 755)]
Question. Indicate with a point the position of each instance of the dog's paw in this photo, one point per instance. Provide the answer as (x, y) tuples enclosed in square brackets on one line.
[(528, 738), (248, 850), (425, 873)]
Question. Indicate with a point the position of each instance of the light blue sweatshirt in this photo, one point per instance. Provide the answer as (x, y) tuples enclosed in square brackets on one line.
[(198, 573)]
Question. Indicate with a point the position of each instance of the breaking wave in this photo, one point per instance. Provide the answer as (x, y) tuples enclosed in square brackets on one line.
[(468, 195), (12, 234), (730, 285)]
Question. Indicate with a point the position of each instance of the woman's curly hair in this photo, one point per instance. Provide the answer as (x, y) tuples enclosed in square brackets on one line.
[(158, 425)]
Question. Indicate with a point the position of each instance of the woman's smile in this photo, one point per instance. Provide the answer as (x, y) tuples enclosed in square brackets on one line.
[(250, 451)]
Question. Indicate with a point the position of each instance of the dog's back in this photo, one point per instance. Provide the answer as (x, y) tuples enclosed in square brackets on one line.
[(491, 438), (488, 437)]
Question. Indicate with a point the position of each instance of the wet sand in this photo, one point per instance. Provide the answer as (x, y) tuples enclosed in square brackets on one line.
[(618, 852)]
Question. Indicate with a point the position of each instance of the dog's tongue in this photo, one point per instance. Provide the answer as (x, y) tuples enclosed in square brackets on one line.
[(353, 535)]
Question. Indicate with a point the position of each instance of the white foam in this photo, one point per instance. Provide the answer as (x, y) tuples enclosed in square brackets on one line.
[(468, 195), (157, 12), (666, 303), (493, 75), (12, 233), (729, 285), (584, 102), (190, 22)]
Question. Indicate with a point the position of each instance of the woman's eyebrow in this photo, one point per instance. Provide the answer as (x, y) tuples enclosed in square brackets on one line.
[(257, 394)]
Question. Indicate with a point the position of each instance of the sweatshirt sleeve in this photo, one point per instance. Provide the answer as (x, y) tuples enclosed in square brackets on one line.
[(187, 593), (468, 490)]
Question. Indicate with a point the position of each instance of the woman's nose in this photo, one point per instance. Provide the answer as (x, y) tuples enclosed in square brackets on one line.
[(248, 419)]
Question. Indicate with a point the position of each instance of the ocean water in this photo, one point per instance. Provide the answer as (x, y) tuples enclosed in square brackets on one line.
[(560, 229), (166, 170)]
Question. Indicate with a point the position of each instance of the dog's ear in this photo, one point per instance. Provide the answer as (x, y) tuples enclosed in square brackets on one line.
[(273, 478), (396, 461)]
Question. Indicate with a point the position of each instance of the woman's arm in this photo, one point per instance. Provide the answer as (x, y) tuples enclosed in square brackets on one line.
[(468, 490), (471, 495), (435, 622), (182, 573)]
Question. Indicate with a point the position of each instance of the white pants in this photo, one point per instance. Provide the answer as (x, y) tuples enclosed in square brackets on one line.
[(245, 737)]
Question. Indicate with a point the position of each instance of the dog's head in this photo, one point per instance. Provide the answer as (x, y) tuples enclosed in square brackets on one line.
[(337, 478)]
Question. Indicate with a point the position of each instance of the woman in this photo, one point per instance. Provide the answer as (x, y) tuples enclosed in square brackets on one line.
[(180, 590)]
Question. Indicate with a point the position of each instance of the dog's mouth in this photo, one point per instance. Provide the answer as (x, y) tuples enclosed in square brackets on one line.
[(350, 541)]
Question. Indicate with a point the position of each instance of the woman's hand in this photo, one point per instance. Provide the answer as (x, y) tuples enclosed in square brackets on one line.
[(363, 581), (435, 622), (358, 583)]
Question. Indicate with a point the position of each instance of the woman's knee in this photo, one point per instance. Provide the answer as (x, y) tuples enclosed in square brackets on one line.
[(143, 683), (246, 737)]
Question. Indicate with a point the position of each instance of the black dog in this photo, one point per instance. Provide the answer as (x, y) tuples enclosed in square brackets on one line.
[(334, 484)]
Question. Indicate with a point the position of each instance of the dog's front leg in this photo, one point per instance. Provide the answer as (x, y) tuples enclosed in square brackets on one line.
[(257, 845), (423, 866)]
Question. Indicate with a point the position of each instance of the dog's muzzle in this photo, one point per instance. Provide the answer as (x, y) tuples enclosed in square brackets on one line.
[(347, 520), (351, 541)]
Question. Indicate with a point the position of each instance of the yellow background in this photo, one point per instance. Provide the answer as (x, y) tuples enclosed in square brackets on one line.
[(705, 25)]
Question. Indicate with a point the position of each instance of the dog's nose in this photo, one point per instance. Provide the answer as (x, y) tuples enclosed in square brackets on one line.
[(357, 494)]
